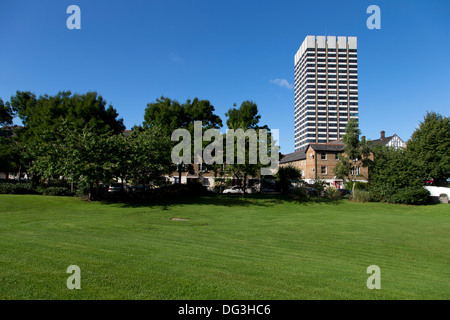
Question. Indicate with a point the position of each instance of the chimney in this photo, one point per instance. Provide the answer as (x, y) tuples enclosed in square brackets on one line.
[(382, 134)]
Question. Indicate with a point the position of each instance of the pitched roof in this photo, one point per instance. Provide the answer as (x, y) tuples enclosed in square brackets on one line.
[(381, 141), (333, 147), (294, 156)]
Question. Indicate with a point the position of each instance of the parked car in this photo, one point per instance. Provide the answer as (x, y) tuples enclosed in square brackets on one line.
[(344, 192), (311, 191), (115, 188), (139, 188), (251, 190), (268, 189), (234, 189)]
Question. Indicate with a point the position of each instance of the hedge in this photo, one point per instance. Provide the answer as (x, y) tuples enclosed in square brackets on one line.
[(17, 188), (418, 196)]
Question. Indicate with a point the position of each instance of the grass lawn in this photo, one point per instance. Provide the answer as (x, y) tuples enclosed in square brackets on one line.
[(231, 248)]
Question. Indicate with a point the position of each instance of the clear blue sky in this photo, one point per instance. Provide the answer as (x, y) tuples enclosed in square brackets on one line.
[(132, 52)]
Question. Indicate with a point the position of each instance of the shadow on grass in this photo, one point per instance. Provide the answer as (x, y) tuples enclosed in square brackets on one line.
[(320, 200), (260, 200)]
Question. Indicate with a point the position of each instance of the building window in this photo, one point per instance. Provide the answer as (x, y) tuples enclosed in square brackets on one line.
[(336, 156), (323, 170), (323, 156), (355, 171)]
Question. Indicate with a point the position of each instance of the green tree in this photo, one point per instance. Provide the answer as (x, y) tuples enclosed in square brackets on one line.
[(244, 117), (429, 146), (285, 175), (46, 113), (247, 117), (83, 156), (79, 110), (6, 113), (392, 170), (167, 113), (13, 155), (8, 158), (121, 163), (23, 104), (149, 155), (355, 151), (171, 115)]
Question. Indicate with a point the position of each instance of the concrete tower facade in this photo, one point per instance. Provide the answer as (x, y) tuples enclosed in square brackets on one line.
[(326, 89)]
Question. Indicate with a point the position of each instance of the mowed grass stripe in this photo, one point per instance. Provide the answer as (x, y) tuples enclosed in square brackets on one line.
[(231, 248)]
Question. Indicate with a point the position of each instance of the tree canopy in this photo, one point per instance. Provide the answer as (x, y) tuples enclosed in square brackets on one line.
[(244, 117), (44, 114), (356, 151), (171, 115), (391, 171), (79, 110), (247, 117), (284, 176), (6, 113), (429, 146)]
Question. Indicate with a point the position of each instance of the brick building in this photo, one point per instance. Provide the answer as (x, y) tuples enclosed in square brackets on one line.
[(318, 161)]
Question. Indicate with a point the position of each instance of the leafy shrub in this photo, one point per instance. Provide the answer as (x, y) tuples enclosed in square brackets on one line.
[(417, 196), (284, 176), (359, 185), (332, 193), (319, 185), (221, 185), (361, 196), (56, 191), (17, 188), (299, 194)]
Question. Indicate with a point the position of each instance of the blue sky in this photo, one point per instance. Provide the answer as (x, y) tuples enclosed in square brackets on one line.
[(133, 52)]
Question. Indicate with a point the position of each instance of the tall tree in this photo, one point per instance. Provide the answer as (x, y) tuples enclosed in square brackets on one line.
[(83, 156), (149, 155), (171, 115), (23, 105), (246, 117), (429, 146), (167, 113), (392, 170), (356, 152), (79, 110), (45, 114), (6, 113), (121, 162), (285, 175)]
